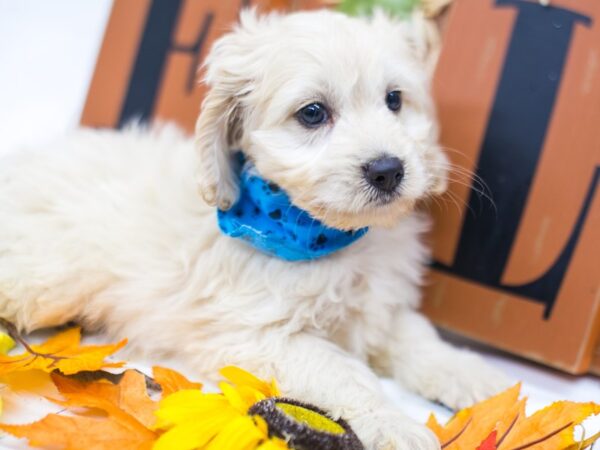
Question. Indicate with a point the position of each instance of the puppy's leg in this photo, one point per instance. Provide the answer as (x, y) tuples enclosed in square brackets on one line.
[(314, 370), (422, 362), (49, 265)]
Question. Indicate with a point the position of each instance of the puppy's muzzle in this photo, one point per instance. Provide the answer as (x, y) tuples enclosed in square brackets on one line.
[(385, 173)]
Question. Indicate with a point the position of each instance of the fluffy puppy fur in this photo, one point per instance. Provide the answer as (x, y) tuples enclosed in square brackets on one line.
[(108, 229)]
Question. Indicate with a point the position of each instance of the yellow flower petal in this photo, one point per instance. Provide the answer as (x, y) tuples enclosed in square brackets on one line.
[(240, 434), (190, 404), (234, 398), (273, 444), (240, 377), (191, 435), (6, 343)]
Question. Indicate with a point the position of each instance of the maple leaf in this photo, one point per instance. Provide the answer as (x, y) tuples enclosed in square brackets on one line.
[(129, 396), (500, 423), (62, 352), (172, 381), (550, 428), (77, 433), (490, 442), (105, 415), (127, 413)]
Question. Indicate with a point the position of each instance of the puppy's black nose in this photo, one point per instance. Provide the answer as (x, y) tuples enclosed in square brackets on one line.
[(384, 173)]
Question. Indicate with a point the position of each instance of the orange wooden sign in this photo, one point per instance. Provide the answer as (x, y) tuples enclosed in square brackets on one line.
[(518, 92), (148, 64)]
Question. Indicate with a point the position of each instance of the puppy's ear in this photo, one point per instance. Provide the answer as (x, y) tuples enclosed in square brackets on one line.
[(425, 40), (421, 35), (220, 125)]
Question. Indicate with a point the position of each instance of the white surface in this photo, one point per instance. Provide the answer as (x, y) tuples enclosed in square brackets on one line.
[(47, 54)]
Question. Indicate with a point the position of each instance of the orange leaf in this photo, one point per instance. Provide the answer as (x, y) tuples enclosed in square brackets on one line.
[(76, 433), (500, 423), (129, 396), (455, 427), (585, 443), (469, 427), (127, 410), (172, 381), (489, 443), (62, 352), (550, 428)]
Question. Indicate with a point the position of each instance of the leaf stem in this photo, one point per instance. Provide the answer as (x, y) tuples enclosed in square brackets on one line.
[(14, 333)]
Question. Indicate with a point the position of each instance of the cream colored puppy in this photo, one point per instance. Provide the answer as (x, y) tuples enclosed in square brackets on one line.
[(108, 229)]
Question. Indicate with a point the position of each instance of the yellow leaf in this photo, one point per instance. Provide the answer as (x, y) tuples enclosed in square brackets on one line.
[(503, 416), (550, 428), (453, 429), (6, 343), (62, 352), (172, 381), (30, 381), (585, 443), (469, 427)]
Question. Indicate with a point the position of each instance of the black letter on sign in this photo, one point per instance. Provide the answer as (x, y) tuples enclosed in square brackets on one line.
[(155, 45), (511, 148)]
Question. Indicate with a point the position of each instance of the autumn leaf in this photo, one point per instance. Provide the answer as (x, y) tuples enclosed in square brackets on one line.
[(469, 427), (129, 396), (550, 428), (500, 423), (490, 442), (172, 381), (585, 443), (62, 352), (126, 410), (77, 433)]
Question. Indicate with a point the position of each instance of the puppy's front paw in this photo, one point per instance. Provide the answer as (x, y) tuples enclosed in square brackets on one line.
[(463, 379), (388, 429)]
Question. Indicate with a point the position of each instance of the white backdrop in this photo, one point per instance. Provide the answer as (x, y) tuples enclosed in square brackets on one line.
[(47, 55)]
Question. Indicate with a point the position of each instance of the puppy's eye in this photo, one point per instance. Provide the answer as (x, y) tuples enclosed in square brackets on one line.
[(313, 115), (393, 100)]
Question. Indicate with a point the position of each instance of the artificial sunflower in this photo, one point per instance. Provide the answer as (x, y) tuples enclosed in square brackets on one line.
[(248, 414)]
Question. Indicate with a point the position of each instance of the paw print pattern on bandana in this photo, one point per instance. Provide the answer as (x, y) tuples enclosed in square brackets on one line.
[(265, 218)]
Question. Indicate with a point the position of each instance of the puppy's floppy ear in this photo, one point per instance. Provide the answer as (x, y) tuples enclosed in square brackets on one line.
[(220, 125)]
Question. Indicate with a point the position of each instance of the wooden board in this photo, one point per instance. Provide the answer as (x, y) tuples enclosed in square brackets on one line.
[(148, 64), (518, 92)]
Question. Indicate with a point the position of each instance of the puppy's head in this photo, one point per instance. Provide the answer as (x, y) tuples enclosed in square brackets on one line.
[(335, 110)]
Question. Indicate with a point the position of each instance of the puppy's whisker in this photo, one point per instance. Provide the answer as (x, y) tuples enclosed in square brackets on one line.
[(477, 184)]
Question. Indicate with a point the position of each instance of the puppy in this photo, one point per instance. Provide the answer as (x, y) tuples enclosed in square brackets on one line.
[(108, 229)]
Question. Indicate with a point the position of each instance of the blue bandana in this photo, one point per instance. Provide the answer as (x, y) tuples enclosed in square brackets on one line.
[(266, 219)]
